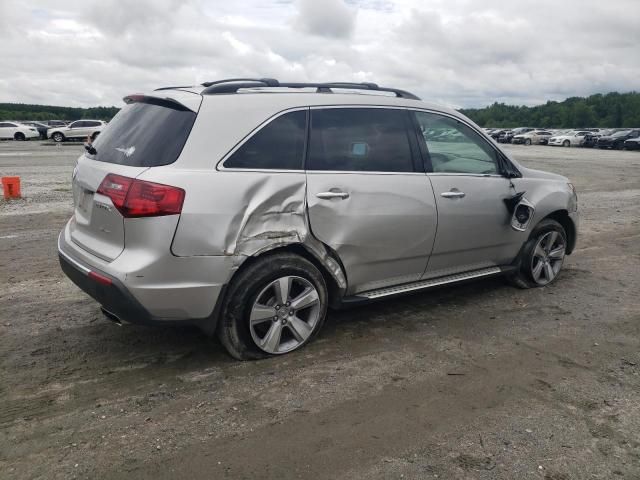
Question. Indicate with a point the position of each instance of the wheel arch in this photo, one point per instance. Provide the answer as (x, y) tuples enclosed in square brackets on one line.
[(563, 218), (335, 281)]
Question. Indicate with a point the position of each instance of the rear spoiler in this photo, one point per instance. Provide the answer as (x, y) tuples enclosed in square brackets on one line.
[(161, 102)]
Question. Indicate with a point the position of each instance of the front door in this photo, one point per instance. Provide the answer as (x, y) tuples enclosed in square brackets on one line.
[(474, 228), (77, 129), (367, 199)]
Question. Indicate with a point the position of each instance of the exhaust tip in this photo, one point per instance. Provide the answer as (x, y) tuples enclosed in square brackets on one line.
[(110, 316)]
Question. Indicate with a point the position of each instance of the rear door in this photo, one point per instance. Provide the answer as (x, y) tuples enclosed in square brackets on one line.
[(366, 197), (474, 229), (146, 133)]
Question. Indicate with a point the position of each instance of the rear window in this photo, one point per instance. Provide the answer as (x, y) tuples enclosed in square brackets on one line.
[(144, 135)]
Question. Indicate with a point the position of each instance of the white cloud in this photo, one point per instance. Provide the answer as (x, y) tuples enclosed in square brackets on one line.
[(458, 52), (327, 18)]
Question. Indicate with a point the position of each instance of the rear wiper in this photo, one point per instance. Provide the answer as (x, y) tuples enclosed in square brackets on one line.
[(91, 150)]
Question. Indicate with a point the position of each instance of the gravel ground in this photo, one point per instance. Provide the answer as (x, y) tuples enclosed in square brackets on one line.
[(480, 381)]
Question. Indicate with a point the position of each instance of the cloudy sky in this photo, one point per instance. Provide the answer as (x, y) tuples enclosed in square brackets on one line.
[(461, 53)]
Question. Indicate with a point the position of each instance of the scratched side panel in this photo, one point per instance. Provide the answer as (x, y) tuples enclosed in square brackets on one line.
[(242, 214)]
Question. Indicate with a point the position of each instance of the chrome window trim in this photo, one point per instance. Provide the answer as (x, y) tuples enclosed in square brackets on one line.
[(360, 172), (452, 174)]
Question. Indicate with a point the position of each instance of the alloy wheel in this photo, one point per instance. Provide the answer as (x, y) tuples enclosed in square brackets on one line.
[(548, 257), (284, 314)]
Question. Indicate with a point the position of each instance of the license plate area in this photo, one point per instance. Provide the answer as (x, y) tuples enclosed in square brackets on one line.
[(84, 205)]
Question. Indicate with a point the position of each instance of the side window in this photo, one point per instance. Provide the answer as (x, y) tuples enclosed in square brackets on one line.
[(4, 125), (454, 147), (92, 124), (278, 145), (359, 139), (76, 125)]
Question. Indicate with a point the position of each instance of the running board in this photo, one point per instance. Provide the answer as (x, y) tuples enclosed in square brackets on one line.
[(424, 284)]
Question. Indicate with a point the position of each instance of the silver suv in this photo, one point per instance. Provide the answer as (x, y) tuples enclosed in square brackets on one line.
[(248, 207)]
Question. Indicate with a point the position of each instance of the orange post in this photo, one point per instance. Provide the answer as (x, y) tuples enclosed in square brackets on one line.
[(11, 187)]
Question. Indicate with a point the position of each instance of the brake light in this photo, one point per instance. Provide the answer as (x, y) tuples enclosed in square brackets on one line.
[(138, 198)]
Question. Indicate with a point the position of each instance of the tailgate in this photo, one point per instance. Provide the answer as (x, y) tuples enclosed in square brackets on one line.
[(97, 226)]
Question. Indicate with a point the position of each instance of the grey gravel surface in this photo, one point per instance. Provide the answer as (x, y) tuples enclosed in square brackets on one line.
[(480, 381)]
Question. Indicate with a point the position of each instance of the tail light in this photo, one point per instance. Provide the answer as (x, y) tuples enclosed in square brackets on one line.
[(138, 198)]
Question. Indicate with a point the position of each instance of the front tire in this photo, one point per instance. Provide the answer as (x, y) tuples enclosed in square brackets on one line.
[(57, 137), (542, 256), (527, 141), (276, 305), (566, 143)]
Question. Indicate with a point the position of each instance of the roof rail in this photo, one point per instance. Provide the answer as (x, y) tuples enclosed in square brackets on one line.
[(232, 85), (173, 88), (270, 82)]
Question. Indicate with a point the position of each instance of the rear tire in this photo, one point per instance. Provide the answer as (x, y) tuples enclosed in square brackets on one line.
[(19, 136), (542, 256), (527, 141), (260, 318), (57, 137)]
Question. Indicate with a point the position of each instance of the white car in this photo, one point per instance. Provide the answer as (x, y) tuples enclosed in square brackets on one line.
[(17, 131), (570, 139), (80, 129), (535, 137)]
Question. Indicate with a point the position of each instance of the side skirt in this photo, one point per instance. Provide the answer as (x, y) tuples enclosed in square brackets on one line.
[(380, 293)]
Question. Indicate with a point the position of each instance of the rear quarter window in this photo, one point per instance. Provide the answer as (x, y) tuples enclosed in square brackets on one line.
[(279, 145), (144, 135)]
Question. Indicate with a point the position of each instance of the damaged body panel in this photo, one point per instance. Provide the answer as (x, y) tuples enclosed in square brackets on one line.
[(382, 231), (244, 214)]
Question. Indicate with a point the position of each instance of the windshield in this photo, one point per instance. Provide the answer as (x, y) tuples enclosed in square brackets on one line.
[(144, 135), (621, 134)]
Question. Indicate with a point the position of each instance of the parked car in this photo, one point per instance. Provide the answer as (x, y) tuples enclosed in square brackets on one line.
[(56, 123), (534, 137), (632, 144), (17, 131), (508, 136), (248, 211), (40, 127), (571, 139), (590, 140), (617, 139), (80, 129), (495, 134)]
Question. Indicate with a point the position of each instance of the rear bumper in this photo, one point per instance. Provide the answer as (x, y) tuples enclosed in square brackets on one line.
[(147, 288), (114, 297)]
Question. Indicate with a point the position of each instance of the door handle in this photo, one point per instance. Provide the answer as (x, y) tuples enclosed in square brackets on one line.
[(453, 194), (329, 195)]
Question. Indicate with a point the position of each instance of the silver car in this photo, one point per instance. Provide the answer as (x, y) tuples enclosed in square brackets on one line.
[(248, 207)]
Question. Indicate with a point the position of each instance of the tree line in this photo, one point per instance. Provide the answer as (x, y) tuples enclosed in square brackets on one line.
[(609, 110), (23, 111), (613, 110)]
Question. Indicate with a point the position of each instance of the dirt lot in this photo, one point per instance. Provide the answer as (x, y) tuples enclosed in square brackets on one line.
[(477, 381)]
